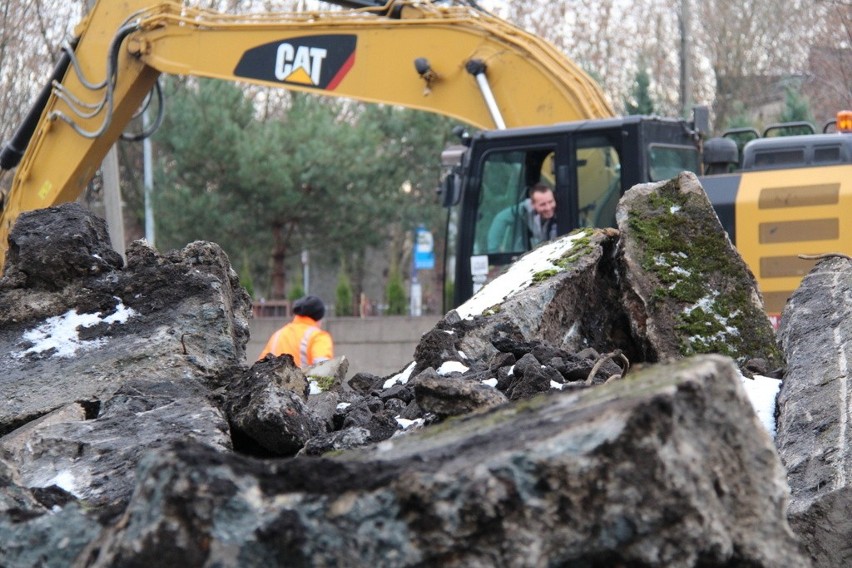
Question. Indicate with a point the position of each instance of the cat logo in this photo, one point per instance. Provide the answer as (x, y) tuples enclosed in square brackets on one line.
[(309, 61), (301, 64)]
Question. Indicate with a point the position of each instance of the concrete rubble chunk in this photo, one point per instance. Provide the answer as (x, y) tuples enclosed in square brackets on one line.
[(95, 460), (574, 489), (330, 375), (49, 251), (813, 436), (686, 289), (552, 302), (268, 411), (445, 396), (131, 353), (281, 371)]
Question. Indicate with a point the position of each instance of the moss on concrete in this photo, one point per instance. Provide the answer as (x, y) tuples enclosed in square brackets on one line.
[(324, 383), (495, 309), (545, 274), (580, 248), (687, 252)]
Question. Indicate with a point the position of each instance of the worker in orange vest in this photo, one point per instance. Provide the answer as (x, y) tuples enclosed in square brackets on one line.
[(302, 338)]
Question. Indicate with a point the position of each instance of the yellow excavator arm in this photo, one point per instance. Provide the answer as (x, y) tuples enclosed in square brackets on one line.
[(457, 61)]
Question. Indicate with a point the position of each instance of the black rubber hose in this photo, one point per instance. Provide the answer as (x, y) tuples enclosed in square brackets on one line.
[(13, 151)]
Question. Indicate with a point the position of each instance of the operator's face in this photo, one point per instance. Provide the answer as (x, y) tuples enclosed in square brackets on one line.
[(544, 204)]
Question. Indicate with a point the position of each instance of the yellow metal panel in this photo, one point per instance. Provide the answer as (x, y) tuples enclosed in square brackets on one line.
[(799, 231), (784, 266), (781, 214), (774, 302), (799, 196)]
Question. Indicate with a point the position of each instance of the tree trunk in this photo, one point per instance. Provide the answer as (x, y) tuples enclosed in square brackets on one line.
[(357, 274), (279, 254)]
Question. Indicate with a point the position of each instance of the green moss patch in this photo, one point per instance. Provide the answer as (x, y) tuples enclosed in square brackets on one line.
[(708, 292), (495, 309), (324, 383), (580, 248), (545, 274)]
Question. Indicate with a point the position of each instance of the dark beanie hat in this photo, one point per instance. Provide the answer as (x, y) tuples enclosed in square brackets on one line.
[(310, 306)]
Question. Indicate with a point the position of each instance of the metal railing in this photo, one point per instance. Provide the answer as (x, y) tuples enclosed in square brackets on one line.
[(279, 309)]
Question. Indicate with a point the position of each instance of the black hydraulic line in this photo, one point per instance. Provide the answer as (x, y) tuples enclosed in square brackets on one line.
[(13, 150), (158, 121), (389, 11), (354, 4)]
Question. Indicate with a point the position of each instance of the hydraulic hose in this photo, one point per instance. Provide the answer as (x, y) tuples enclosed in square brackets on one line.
[(13, 150)]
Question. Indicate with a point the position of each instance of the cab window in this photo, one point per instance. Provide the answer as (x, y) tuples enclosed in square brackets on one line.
[(502, 187), (668, 161), (598, 183), (502, 216)]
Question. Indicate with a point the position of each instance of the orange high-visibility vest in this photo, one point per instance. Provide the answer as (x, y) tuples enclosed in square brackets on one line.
[(303, 339)]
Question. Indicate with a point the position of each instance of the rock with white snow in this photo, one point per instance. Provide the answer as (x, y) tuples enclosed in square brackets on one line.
[(686, 290), (564, 293), (137, 349)]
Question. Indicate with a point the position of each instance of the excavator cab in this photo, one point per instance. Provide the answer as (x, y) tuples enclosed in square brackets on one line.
[(588, 165)]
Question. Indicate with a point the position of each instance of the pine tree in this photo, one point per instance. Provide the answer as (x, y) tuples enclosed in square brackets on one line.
[(397, 304), (246, 280), (343, 304), (796, 109), (640, 101), (296, 292)]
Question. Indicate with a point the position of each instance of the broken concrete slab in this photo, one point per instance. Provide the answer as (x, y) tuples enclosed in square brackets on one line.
[(40, 257), (267, 409), (41, 527), (447, 396), (686, 290), (675, 473), (95, 459), (137, 349), (550, 293), (184, 313), (813, 437)]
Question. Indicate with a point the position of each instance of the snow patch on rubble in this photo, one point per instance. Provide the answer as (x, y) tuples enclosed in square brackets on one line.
[(519, 276), (65, 480), (762, 392), (400, 378), (448, 367), (405, 424), (60, 332)]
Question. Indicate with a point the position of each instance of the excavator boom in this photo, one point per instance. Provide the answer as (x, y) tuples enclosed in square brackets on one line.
[(454, 60)]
